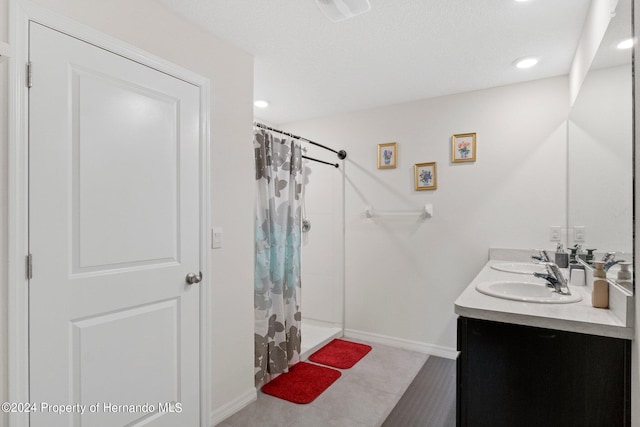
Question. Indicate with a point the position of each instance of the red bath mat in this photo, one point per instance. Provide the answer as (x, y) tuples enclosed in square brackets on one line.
[(340, 354), (303, 383)]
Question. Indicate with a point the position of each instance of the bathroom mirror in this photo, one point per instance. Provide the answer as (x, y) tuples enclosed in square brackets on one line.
[(600, 149)]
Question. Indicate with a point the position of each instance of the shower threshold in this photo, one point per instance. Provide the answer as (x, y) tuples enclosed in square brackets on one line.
[(315, 334)]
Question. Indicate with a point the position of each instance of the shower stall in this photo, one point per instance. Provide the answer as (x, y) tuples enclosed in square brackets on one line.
[(322, 256), (321, 294)]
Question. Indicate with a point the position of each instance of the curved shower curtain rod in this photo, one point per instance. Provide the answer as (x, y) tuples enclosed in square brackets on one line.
[(341, 154), (321, 161)]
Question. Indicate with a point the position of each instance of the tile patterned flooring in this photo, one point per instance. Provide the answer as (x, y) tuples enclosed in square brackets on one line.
[(363, 396)]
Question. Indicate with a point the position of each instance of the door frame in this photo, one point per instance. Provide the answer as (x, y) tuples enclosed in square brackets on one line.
[(21, 12)]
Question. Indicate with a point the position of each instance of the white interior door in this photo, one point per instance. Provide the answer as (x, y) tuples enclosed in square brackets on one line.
[(113, 231)]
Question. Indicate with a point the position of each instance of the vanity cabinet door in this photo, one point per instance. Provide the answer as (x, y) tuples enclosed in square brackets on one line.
[(512, 375)]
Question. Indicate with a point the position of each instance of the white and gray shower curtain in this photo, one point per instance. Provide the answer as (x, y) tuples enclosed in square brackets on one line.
[(277, 258)]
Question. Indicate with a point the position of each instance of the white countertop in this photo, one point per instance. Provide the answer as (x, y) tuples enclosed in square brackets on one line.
[(574, 317)]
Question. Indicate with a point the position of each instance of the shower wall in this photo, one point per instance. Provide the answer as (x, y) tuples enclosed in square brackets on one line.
[(323, 245)]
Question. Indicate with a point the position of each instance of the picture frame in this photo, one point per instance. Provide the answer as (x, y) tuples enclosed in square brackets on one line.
[(463, 148), (425, 176), (388, 155)]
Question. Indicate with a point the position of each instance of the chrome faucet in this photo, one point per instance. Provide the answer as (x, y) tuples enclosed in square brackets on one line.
[(610, 260), (555, 278), (608, 257), (543, 257)]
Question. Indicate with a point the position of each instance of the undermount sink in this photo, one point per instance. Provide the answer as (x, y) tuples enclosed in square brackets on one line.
[(525, 291), (519, 267)]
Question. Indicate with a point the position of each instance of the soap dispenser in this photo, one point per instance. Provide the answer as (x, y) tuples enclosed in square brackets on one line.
[(562, 257), (600, 292)]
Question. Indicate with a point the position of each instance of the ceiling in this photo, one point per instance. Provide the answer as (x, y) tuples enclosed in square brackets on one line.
[(401, 50)]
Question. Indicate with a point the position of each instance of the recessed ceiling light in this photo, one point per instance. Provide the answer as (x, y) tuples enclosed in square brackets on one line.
[(261, 103), (625, 44), (521, 1), (525, 62)]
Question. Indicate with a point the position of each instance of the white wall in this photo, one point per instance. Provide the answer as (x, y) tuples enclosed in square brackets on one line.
[(403, 276), (150, 26)]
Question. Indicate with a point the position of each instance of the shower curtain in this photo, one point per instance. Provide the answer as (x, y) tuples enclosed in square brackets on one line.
[(277, 257)]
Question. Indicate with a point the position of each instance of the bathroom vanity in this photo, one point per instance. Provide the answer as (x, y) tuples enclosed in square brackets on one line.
[(541, 364)]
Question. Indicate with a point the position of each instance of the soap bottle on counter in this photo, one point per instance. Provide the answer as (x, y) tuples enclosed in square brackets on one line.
[(600, 292)]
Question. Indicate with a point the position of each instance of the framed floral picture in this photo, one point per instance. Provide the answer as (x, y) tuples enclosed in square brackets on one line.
[(387, 155), (463, 147), (426, 177)]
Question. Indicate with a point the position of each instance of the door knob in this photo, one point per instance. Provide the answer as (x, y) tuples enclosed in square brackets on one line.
[(192, 278)]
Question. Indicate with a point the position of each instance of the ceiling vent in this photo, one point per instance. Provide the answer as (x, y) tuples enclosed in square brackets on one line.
[(339, 10)]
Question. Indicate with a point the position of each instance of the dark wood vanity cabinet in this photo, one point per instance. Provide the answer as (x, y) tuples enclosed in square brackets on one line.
[(512, 375)]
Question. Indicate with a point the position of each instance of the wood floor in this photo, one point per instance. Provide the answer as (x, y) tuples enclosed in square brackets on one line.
[(389, 387), (430, 399)]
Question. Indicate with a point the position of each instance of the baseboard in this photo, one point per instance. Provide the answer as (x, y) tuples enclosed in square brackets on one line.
[(225, 411), (435, 350)]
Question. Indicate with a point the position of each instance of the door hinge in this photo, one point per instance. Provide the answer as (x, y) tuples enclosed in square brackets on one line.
[(29, 74), (29, 266)]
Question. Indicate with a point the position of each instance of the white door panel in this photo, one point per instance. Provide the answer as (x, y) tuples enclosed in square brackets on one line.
[(114, 230), (149, 379), (141, 212)]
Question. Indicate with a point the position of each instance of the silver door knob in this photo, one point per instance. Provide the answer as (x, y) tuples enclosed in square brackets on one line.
[(192, 278)]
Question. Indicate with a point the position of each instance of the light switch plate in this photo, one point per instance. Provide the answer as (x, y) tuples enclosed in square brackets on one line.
[(216, 237)]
